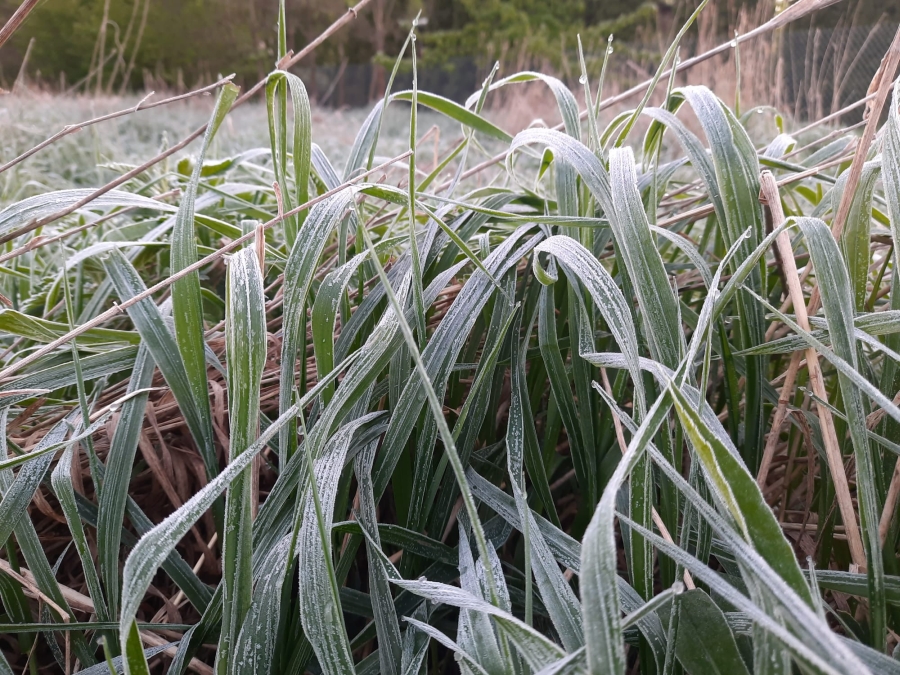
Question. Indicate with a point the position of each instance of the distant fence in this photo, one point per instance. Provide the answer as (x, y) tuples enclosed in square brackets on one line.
[(808, 73)]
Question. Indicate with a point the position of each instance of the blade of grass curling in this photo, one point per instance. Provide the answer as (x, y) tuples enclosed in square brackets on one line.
[(657, 303), (437, 412), (245, 346), (158, 542), (119, 464), (578, 262), (298, 274), (149, 322), (278, 83), (837, 301), (555, 591), (537, 650), (736, 167), (187, 306), (462, 656)]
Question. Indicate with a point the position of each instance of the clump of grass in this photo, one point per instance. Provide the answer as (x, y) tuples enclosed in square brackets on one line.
[(577, 410)]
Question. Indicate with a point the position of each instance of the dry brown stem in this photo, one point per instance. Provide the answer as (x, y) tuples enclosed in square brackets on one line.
[(769, 193)]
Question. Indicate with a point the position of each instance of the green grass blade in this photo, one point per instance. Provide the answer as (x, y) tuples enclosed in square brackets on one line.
[(388, 628), (717, 651), (736, 167), (149, 322), (837, 301), (301, 155), (855, 244), (187, 307), (320, 604), (599, 594), (119, 464), (298, 273), (556, 593), (245, 346)]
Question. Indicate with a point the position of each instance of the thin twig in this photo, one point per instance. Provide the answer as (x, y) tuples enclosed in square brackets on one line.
[(16, 20), (881, 86), (142, 105), (246, 96), (796, 11), (215, 255), (771, 197)]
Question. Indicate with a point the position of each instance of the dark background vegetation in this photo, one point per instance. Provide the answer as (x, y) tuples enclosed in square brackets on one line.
[(182, 43)]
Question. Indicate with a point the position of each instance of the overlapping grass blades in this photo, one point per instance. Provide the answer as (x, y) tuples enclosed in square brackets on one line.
[(497, 429)]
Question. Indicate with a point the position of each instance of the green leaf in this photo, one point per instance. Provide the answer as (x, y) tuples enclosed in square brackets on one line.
[(456, 112), (837, 301), (42, 330), (705, 644), (276, 83), (149, 322), (320, 604), (855, 243), (245, 347), (187, 306)]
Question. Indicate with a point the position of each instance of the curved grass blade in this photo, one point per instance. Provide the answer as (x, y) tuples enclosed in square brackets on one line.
[(320, 604), (158, 542), (187, 304), (119, 465), (276, 83), (534, 647), (837, 301), (245, 346)]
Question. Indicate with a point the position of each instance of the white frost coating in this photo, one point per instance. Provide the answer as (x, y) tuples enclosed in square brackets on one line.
[(386, 625), (319, 600), (607, 296), (659, 306), (28, 479), (155, 545), (460, 653), (443, 349), (474, 633), (537, 650), (558, 597), (256, 642), (245, 344), (39, 206)]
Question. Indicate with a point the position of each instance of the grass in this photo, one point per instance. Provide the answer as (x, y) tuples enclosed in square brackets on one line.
[(597, 407)]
